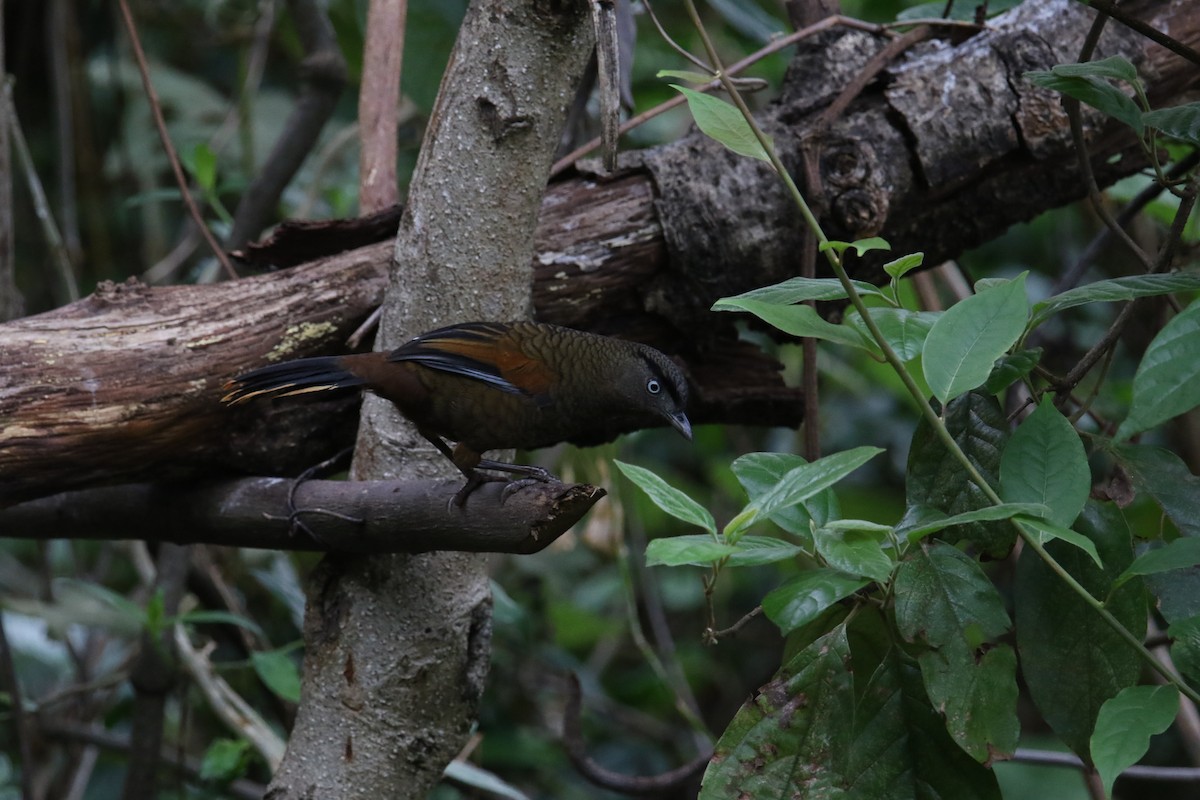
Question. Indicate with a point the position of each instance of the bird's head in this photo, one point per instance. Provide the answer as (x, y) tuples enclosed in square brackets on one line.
[(655, 387)]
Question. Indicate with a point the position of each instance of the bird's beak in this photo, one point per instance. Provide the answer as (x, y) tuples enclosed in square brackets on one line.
[(679, 422)]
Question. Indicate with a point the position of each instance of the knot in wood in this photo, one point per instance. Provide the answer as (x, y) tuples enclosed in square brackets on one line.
[(860, 212), (844, 164)]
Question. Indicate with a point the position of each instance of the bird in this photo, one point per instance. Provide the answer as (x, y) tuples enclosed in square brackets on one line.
[(498, 385)]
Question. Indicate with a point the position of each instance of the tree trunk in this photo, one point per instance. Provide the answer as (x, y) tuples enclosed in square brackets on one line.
[(398, 646)]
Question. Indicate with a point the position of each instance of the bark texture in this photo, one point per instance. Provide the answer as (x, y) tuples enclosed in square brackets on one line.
[(346, 517), (398, 646), (944, 149)]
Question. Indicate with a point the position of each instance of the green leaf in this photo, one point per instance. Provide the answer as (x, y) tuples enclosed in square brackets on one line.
[(1012, 367), (695, 550), (758, 473), (1115, 67), (936, 480), (958, 11), (1072, 661), (796, 320), (753, 551), (795, 290), (487, 784), (807, 480), (904, 330), (1163, 475), (203, 166), (1115, 290), (945, 604), (1096, 92), (1185, 646), (685, 75), (930, 520), (776, 738), (943, 597), (860, 246), (803, 598), (721, 121), (1044, 462), (1045, 531), (668, 498), (1181, 122), (903, 265), (1182, 553), (225, 760), (855, 552), (1125, 725), (977, 693), (845, 717), (1167, 382), (968, 338), (279, 673)]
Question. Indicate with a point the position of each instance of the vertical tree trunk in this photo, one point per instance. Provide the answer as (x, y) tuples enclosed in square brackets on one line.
[(398, 646)]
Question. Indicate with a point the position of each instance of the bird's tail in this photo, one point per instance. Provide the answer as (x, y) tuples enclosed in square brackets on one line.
[(291, 377)]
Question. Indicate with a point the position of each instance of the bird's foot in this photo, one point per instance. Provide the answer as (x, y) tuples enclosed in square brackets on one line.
[(295, 524), (529, 471), (530, 475)]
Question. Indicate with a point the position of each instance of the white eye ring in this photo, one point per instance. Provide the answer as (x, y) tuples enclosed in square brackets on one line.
[(653, 387)]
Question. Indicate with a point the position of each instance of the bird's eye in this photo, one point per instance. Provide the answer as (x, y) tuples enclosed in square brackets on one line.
[(653, 387)]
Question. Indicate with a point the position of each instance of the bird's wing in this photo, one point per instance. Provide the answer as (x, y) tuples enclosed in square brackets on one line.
[(486, 352)]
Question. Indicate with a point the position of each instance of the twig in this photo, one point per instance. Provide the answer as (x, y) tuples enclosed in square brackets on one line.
[(152, 678), (1165, 256), (666, 37), (664, 660), (1133, 23), (20, 722), (324, 72), (1187, 722), (59, 728), (1071, 105), (737, 626), (1099, 242), (234, 711), (774, 46), (172, 156), (605, 778), (58, 251), (1053, 758)]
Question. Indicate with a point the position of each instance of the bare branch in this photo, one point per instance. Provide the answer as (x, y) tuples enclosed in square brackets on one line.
[(349, 517)]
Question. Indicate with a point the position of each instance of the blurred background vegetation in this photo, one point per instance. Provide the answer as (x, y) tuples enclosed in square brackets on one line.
[(632, 635)]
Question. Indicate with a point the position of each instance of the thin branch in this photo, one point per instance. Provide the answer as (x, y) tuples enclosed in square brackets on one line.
[(241, 719), (21, 730), (1153, 34), (576, 749), (1165, 256), (735, 627), (1053, 758), (60, 728), (172, 156), (1101, 241), (153, 677), (323, 71), (737, 67), (58, 251)]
